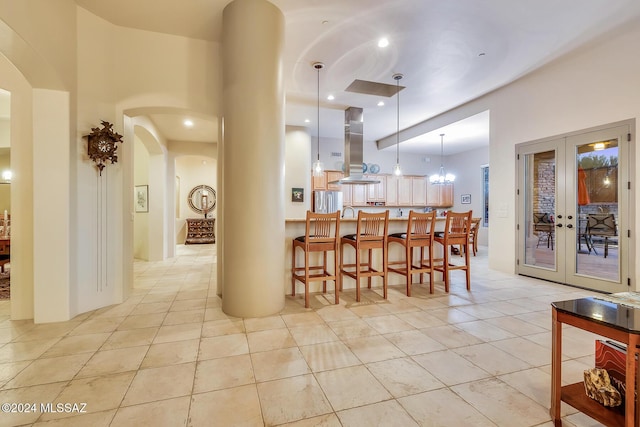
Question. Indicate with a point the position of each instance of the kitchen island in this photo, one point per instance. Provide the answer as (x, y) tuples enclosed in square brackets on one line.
[(295, 227)]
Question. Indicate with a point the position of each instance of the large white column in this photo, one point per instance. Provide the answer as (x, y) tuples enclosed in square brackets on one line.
[(51, 207), (252, 241)]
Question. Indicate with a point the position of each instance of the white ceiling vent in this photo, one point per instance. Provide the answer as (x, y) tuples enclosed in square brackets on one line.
[(373, 88)]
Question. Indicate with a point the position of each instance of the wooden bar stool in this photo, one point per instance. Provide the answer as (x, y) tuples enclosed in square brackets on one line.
[(419, 234), (456, 232), (473, 235), (371, 233), (321, 235)]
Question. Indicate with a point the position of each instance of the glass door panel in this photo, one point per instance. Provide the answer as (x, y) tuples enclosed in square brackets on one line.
[(597, 208), (573, 209), (601, 207), (540, 194), (540, 175)]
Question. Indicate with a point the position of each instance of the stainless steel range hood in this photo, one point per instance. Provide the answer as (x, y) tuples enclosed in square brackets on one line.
[(353, 149)]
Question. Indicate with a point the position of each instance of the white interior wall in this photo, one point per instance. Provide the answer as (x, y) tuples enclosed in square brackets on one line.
[(5, 126), (99, 214), (591, 87), (297, 172), (141, 221), (467, 169), (21, 135), (52, 284), (193, 171), (70, 58), (158, 218)]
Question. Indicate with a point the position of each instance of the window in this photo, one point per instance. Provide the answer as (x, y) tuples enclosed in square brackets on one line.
[(485, 195)]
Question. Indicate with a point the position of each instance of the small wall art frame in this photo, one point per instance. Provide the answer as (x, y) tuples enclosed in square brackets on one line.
[(465, 199), (297, 195), (141, 198)]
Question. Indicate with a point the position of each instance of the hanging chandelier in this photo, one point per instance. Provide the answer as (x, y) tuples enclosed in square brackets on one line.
[(442, 177), (318, 167), (397, 171)]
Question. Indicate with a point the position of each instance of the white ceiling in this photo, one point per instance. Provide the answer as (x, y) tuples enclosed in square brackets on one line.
[(450, 52)]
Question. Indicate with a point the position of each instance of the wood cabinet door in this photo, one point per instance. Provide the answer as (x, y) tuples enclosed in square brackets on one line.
[(358, 195), (440, 195), (391, 191), (319, 182), (419, 191), (382, 187), (376, 192), (446, 195), (405, 190), (346, 196), (333, 176), (433, 195)]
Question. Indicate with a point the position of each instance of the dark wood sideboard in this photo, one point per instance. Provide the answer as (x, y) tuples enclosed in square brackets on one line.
[(200, 230)]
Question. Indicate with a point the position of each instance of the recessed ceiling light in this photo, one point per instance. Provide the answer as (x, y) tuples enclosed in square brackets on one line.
[(331, 97), (383, 42), (307, 121), (188, 123), (380, 103)]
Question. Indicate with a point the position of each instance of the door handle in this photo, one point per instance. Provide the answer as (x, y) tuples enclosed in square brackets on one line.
[(559, 225), (569, 225)]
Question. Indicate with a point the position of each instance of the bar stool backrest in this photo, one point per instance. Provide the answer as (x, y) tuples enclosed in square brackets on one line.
[(372, 226), (421, 226), (322, 227), (456, 231)]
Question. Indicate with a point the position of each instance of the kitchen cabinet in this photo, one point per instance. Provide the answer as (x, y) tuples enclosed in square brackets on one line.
[(439, 195), (358, 195), (376, 192), (418, 191), (319, 182), (391, 195), (333, 176), (405, 191), (322, 182), (346, 195)]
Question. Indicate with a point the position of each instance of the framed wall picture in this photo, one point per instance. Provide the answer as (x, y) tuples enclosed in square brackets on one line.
[(141, 198), (465, 199), (297, 195)]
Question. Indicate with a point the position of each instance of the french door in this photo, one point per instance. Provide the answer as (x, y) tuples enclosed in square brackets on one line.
[(573, 209)]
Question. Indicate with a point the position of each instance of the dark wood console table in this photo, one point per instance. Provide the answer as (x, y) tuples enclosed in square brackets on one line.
[(618, 322), (200, 230)]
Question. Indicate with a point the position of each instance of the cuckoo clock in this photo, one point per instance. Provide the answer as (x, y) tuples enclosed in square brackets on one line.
[(102, 145)]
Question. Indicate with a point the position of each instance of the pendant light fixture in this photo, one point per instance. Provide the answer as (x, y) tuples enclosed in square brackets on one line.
[(442, 177), (318, 168), (397, 171)]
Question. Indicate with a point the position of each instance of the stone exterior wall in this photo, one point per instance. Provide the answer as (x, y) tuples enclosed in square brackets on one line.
[(544, 186)]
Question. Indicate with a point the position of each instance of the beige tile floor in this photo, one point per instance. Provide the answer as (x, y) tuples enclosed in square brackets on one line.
[(169, 356)]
